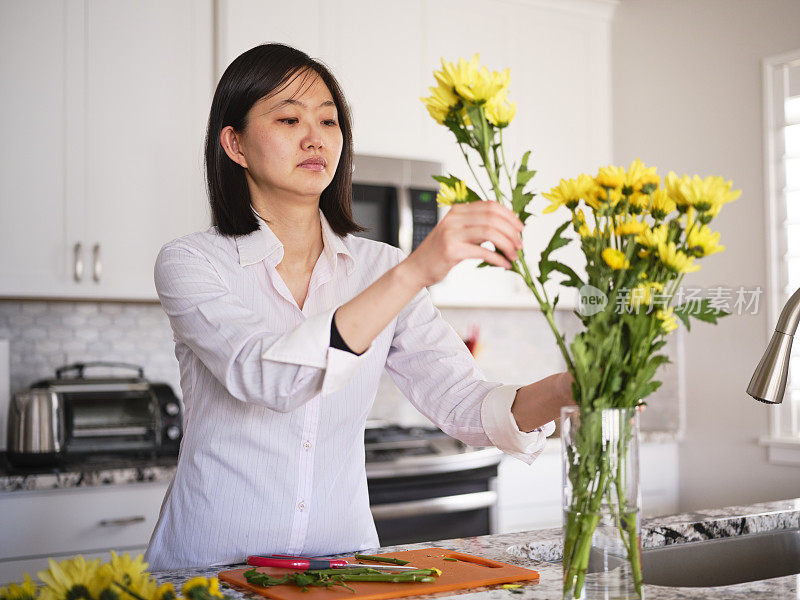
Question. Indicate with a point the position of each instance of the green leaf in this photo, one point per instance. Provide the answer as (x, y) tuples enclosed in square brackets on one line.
[(450, 181), (700, 310), (557, 241), (476, 118), (572, 277), (519, 198)]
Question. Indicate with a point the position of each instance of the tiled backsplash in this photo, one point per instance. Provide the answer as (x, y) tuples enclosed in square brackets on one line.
[(516, 346)]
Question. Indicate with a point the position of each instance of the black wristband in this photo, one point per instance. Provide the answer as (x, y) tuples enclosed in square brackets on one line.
[(336, 338)]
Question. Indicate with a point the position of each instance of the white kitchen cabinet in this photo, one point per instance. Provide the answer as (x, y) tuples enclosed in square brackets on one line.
[(61, 523), (108, 119), (529, 496)]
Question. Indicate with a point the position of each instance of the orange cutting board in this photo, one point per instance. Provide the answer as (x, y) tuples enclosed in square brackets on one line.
[(467, 571)]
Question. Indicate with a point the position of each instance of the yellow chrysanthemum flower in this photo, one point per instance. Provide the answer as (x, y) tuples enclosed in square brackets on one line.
[(472, 82), (441, 101), (638, 202), (448, 196), (642, 294), (197, 585), (19, 591), (675, 260), (706, 195), (669, 322), (653, 237), (610, 177), (630, 227), (661, 204), (128, 572), (615, 259), (568, 193), (639, 177), (701, 241), (74, 578), (500, 112)]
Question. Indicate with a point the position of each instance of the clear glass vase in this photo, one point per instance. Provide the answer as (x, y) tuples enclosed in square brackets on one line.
[(601, 504)]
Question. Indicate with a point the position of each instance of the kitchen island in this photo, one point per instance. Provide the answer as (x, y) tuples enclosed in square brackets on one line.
[(540, 550)]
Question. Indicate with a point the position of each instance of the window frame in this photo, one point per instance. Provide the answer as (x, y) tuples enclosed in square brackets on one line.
[(782, 442)]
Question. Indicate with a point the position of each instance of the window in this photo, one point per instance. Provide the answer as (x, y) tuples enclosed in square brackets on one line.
[(782, 180)]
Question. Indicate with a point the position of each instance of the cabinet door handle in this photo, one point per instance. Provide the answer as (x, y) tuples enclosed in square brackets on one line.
[(77, 262), (122, 521), (97, 266)]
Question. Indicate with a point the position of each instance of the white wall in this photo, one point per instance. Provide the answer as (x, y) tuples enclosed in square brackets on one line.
[(687, 97)]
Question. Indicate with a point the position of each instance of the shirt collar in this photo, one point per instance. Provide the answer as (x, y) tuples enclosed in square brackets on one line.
[(263, 244)]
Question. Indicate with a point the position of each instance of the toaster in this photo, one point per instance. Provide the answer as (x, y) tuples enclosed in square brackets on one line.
[(76, 416)]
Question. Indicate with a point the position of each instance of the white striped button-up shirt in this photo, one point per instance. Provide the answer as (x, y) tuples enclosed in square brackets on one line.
[(272, 458)]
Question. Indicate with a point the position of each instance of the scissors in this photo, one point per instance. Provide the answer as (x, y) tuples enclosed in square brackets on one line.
[(304, 563)]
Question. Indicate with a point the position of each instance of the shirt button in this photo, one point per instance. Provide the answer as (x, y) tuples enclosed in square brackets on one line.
[(307, 445), (301, 506)]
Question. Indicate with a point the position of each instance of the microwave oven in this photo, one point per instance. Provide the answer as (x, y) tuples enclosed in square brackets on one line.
[(395, 199)]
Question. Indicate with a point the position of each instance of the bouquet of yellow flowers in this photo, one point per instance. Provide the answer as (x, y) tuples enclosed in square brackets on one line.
[(639, 239), (122, 578)]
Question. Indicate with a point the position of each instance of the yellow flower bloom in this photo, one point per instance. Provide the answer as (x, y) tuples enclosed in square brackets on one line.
[(472, 82), (661, 205), (642, 294), (610, 177), (675, 260), (19, 591), (200, 584), (73, 578), (631, 227), (128, 572), (638, 202), (500, 112), (448, 196), (705, 195), (440, 103), (701, 241), (615, 259), (669, 322), (654, 237), (638, 176), (568, 193)]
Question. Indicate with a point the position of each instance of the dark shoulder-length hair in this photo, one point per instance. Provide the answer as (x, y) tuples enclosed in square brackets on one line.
[(259, 72)]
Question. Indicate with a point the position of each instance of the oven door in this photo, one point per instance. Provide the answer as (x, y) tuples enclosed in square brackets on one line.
[(409, 509)]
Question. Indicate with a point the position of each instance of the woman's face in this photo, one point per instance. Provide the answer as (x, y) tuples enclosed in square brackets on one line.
[(292, 142)]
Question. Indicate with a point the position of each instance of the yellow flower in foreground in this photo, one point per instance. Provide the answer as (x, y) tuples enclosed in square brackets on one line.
[(611, 176), (197, 585), (669, 322), (631, 227), (448, 196), (19, 591), (74, 578), (500, 112), (661, 205), (568, 193), (675, 260), (472, 82), (131, 573), (615, 259)]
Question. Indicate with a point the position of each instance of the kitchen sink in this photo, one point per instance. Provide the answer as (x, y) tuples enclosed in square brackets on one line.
[(724, 561)]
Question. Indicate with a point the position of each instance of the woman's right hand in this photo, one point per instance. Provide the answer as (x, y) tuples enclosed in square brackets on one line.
[(459, 235)]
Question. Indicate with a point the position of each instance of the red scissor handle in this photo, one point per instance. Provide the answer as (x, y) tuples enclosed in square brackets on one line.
[(293, 562)]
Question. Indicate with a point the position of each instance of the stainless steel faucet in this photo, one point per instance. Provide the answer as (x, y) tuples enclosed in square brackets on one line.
[(769, 380)]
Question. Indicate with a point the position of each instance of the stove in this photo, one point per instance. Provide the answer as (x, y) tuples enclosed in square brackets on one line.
[(425, 485)]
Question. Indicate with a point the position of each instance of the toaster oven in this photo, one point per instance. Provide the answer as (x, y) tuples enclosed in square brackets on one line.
[(73, 415)]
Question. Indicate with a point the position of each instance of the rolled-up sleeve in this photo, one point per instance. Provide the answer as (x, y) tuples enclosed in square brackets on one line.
[(433, 368), (254, 363)]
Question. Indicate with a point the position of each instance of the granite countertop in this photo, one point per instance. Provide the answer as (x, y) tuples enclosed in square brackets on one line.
[(115, 470), (87, 473), (540, 550)]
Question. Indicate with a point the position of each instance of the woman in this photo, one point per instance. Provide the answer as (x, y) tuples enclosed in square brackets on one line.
[(283, 323)]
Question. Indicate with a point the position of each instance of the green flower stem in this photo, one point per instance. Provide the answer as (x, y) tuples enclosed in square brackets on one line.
[(469, 164), (505, 163)]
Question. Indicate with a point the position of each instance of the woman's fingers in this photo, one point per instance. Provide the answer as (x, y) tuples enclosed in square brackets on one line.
[(507, 244)]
